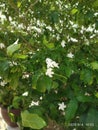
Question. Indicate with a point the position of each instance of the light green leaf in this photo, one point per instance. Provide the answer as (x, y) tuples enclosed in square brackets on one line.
[(18, 4), (94, 65), (96, 94), (12, 48), (74, 11), (20, 56), (47, 43), (95, 3), (32, 120), (71, 110)]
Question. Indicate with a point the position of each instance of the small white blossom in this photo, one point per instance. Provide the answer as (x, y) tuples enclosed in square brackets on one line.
[(49, 72), (3, 83), (63, 44), (25, 94), (62, 106), (70, 55), (2, 46), (89, 29), (92, 36), (73, 39), (95, 31), (13, 63), (96, 14), (51, 63), (49, 28), (74, 129), (34, 103), (41, 98), (25, 76), (87, 94)]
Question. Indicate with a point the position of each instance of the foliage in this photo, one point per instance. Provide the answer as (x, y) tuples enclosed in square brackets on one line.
[(49, 61)]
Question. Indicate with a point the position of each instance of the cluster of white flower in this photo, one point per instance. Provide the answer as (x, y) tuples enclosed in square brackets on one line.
[(50, 65)]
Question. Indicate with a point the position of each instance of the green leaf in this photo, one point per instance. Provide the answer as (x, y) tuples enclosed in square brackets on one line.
[(96, 94), (20, 56), (16, 102), (18, 4), (95, 3), (83, 98), (54, 16), (4, 66), (68, 71), (32, 120), (74, 11), (71, 110), (55, 85), (12, 48), (48, 44), (44, 83), (92, 119), (87, 76), (94, 65)]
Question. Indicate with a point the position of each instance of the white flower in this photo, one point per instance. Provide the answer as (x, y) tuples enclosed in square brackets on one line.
[(73, 39), (49, 28), (25, 76), (62, 106), (2, 46), (49, 72), (41, 98), (25, 94), (87, 94), (51, 64), (3, 83), (70, 55), (89, 29), (96, 14), (63, 44), (12, 63), (34, 103)]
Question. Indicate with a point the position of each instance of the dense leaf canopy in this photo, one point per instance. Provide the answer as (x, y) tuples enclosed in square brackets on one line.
[(49, 48)]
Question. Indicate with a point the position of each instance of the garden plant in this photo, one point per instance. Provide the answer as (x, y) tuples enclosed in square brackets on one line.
[(49, 63)]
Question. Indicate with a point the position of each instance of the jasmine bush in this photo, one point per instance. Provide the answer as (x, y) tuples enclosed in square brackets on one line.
[(49, 62)]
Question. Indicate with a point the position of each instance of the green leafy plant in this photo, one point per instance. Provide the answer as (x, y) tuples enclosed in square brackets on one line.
[(49, 62)]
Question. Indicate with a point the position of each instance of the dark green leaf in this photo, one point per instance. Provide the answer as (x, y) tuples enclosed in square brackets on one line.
[(92, 119), (44, 83), (71, 110)]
